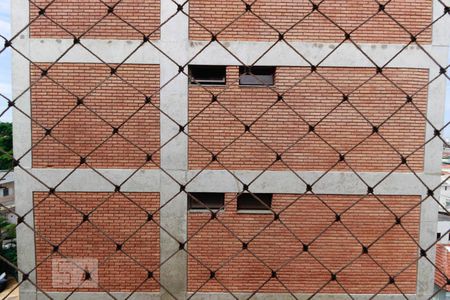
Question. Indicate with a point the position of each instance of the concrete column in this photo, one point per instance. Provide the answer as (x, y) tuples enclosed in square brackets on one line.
[(433, 150), (174, 97), (22, 143), (21, 81), (427, 237)]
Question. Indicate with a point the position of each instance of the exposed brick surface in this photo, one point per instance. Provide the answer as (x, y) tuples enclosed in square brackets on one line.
[(307, 217), (442, 266), (116, 220), (269, 16), (82, 131), (68, 18), (311, 99), (279, 126)]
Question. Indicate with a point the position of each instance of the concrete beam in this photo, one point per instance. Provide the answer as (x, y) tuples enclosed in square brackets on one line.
[(98, 296), (286, 296), (87, 180), (49, 50), (287, 182), (225, 296), (283, 182), (346, 55)]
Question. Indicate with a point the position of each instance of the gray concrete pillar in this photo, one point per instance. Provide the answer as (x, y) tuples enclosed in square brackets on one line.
[(174, 97)]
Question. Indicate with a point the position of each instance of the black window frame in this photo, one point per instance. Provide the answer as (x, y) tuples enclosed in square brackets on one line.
[(256, 204), (197, 74), (257, 76), (218, 201)]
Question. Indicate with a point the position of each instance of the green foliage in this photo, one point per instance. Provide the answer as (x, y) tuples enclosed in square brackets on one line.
[(6, 145), (10, 255), (7, 232)]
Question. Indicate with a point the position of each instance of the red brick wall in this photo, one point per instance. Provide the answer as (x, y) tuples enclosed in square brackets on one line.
[(442, 266), (272, 15), (307, 218), (311, 99), (75, 17), (119, 220), (113, 100)]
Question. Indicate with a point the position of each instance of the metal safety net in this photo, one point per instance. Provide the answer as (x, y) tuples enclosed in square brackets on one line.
[(292, 114)]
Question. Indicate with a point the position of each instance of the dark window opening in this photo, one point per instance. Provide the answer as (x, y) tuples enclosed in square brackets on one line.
[(438, 235), (209, 75), (254, 201), (257, 76), (5, 192), (206, 200)]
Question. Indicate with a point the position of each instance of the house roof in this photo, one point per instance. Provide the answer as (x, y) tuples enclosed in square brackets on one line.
[(443, 217), (6, 177), (442, 266)]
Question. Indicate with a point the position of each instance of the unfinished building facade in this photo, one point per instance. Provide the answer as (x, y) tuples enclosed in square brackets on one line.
[(218, 149)]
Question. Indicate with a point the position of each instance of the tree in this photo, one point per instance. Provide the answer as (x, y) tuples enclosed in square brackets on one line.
[(6, 146), (7, 232)]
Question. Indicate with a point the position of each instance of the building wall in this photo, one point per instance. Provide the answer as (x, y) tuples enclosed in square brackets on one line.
[(10, 187), (145, 67), (268, 17), (59, 221), (444, 196), (7, 203), (442, 266), (443, 228), (279, 245), (87, 130), (309, 99), (130, 20)]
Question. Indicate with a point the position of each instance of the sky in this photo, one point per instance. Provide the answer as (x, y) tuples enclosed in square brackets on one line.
[(447, 105), (5, 68), (5, 59)]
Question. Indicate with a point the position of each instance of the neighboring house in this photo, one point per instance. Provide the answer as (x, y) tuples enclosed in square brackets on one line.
[(7, 202), (442, 272), (186, 113), (445, 191), (443, 233)]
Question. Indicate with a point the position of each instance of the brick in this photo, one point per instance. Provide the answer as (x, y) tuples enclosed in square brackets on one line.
[(63, 19), (442, 266), (275, 247), (283, 127), (81, 132), (116, 219), (268, 17)]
